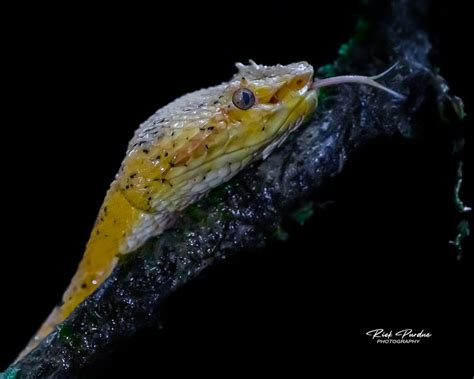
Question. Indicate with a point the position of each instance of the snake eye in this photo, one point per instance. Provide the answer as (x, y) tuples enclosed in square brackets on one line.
[(243, 98)]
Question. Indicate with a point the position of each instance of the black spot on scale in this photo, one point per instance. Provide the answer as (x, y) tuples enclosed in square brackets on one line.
[(83, 285), (133, 176), (146, 151)]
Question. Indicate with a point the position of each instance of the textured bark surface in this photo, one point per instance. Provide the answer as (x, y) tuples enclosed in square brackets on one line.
[(243, 214)]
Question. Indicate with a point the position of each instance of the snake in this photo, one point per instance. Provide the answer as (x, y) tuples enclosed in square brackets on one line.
[(184, 150)]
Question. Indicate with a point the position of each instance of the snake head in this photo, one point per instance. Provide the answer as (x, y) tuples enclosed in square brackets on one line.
[(204, 138), (281, 99)]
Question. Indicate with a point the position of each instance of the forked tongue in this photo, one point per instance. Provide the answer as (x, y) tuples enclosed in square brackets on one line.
[(358, 79)]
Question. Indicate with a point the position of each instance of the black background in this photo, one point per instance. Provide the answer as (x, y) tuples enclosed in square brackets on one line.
[(377, 257)]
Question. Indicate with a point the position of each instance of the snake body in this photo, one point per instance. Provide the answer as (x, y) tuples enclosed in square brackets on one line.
[(180, 153)]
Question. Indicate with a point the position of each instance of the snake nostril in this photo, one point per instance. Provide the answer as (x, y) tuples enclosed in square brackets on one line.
[(297, 84)]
